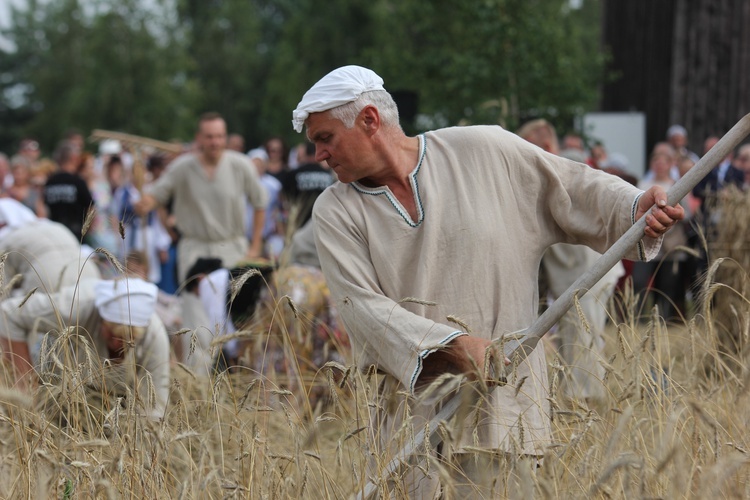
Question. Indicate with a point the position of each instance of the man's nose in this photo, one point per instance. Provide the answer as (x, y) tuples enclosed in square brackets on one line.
[(321, 154)]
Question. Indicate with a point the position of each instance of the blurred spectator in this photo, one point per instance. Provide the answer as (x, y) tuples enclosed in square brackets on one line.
[(301, 187), (102, 233), (209, 189), (742, 163), (143, 233), (724, 174), (66, 195), (581, 347), (573, 141), (107, 149), (22, 189), (677, 137), (235, 142), (598, 155), (274, 223), (41, 171), (29, 148), (74, 136), (6, 178), (277, 154)]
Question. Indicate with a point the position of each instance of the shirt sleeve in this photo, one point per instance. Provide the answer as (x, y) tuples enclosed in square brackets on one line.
[(573, 203), (381, 331)]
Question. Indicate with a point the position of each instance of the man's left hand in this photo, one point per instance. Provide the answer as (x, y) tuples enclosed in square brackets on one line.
[(659, 216)]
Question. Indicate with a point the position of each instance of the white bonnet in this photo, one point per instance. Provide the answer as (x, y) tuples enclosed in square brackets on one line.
[(128, 301), (340, 86)]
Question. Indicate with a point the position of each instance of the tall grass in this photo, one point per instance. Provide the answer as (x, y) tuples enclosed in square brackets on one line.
[(674, 424)]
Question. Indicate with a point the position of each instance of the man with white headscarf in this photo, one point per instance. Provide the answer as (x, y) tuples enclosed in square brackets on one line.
[(454, 223), (113, 318), (44, 253)]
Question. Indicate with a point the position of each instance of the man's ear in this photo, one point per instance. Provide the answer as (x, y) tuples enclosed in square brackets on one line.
[(370, 119)]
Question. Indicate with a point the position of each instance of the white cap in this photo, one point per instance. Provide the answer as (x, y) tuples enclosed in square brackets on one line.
[(110, 147), (340, 86), (676, 130), (128, 301), (259, 153)]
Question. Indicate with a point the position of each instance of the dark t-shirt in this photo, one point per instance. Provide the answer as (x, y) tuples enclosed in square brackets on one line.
[(302, 187), (68, 199)]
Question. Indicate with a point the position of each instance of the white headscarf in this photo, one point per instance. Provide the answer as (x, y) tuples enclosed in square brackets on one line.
[(14, 214), (338, 87), (129, 301)]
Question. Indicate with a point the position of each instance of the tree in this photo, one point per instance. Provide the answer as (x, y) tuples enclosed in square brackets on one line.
[(493, 61), (119, 67)]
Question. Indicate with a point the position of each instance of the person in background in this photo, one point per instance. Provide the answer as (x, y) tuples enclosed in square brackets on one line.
[(581, 346), (22, 189), (66, 195), (6, 178), (677, 137), (117, 319), (742, 163), (302, 186), (235, 142), (30, 148), (208, 189), (273, 225), (277, 155), (597, 156), (42, 252), (573, 141), (101, 233)]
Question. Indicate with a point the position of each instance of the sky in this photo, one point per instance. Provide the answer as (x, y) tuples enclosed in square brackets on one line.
[(5, 20)]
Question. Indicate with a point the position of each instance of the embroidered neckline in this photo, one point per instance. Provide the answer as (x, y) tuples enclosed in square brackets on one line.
[(414, 185)]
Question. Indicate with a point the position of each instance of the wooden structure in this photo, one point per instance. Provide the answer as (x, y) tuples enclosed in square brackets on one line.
[(681, 62)]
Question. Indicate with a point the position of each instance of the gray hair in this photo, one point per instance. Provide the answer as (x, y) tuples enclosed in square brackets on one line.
[(380, 99)]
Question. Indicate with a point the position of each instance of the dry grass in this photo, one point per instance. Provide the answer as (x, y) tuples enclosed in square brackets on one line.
[(669, 428)]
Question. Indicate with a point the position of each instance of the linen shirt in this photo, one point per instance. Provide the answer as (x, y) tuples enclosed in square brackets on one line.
[(489, 204), (211, 209)]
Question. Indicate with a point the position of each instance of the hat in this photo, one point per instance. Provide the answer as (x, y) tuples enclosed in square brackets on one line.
[(127, 301), (110, 147), (259, 153), (676, 130), (340, 86)]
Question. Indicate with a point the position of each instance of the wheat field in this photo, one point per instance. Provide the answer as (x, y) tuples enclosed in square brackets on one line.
[(674, 423)]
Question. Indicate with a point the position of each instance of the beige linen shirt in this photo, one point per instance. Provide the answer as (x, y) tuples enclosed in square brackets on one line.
[(211, 209), (47, 255), (489, 204)]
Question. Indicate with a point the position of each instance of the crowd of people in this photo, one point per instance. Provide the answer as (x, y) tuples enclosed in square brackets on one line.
[(131, 247), (191, 225)]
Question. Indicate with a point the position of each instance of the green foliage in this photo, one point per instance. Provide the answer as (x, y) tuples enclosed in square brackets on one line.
[(150, 68)]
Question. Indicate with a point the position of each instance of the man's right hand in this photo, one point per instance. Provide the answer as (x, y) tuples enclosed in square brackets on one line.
[(463, 355)]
